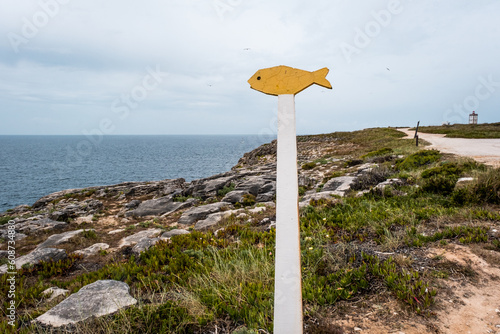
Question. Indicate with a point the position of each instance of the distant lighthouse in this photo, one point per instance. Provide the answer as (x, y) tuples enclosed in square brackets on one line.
[(473, 118)]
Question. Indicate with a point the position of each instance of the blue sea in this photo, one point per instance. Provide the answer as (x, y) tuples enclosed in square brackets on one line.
[(34, 166)]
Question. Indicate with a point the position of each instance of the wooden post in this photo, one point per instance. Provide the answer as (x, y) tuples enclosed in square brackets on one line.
[(288, 278), (416, 133), (285, 82)]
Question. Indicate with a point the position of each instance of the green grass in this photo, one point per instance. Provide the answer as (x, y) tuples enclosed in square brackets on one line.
[(5, 219), (465, 130)]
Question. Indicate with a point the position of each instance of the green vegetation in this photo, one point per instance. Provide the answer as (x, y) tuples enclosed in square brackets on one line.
[(484, 130), (308, 165), (223, 192), (419, 159), (5, 219), (381, 152)]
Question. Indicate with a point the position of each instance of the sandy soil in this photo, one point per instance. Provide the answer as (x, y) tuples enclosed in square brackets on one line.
[(486, 151)]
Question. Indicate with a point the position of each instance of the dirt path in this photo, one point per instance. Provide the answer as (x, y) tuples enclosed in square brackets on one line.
[(486, 151)]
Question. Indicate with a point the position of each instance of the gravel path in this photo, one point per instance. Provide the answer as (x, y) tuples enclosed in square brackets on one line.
[(486, 151)]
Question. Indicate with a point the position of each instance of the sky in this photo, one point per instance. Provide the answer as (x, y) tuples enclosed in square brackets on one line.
[(73, 67)]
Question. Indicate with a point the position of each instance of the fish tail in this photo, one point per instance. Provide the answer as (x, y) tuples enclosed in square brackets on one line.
[(320, 78)]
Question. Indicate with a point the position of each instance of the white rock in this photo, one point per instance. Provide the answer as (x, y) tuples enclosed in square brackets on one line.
[(97, 299), (85, 219), (135, 238), (57, 239), (92, 250), (116, 231), (54, 292)]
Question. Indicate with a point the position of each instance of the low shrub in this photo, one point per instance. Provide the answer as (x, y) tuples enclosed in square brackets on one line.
[(308, 165), (418, 159), (486, 189), (223, 192), (377, 153), (5, 219)]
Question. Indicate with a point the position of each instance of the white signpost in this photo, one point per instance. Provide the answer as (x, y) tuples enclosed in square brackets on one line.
[(285, 82)]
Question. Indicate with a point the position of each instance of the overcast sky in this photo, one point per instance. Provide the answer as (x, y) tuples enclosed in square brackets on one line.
[(181, 66)]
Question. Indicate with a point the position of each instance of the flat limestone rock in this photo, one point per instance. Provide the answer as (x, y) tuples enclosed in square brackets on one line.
[(97, 299), (215, 218), (173, 232), (341, 183), (54, 292), (57, 239), (92, 250), (201, 212), (137, 237), (328, 195), (160, 206), (42, 254)]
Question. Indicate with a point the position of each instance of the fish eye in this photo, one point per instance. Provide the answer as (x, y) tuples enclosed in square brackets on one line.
[(258, 78)]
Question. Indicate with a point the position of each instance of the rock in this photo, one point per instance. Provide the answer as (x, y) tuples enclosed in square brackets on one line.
[(4, 254), (116, 231), (257, 209), (137, 237), (144, 244), (235, 196), (59, 216), (92, 250), (57, 239), (465, 179), (97, 299), (388, 182), (341, 183), (84, 219), (210, 186), (252, 185), (54, 292), (214, 219), (321, 195), (160, 206), (133, 204), (43, 254), (201, 212), (171, 233)]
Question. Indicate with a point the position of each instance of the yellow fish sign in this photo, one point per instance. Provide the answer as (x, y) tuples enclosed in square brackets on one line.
[(281, 80)]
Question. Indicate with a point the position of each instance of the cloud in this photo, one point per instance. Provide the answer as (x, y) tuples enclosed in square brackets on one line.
[(424, 58)]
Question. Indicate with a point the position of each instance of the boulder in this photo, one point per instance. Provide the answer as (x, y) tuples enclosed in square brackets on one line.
[(388, 182), (92, 250), (252, 185), (214, 219), (54, 292), (235, 196), (328, 195), (341, 184), (43, 254), (144, 244), (160, 206), (94, 300), (201, 212), (84, 219), (57, 239), (138, 237), (173, 232), (133, 204)]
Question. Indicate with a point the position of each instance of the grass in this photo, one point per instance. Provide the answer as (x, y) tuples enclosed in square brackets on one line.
[(5, 219), (484, 130)]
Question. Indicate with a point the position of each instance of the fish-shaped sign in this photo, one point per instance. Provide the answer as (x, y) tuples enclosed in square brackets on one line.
[(281, 80)]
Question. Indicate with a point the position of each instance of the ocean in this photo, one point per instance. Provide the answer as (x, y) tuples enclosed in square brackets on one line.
[(34, 166)]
